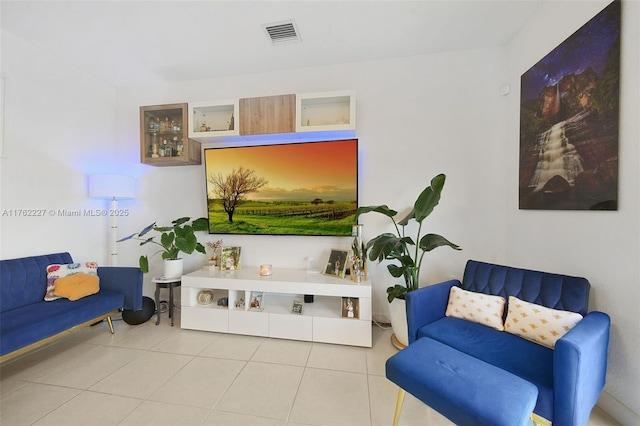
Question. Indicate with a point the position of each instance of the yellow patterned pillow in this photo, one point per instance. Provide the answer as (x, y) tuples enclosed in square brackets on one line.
[(482, 308), (538, 323)]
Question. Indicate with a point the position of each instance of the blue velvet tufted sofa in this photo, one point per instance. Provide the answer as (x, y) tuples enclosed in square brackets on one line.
[(569, 378), (27, 321)]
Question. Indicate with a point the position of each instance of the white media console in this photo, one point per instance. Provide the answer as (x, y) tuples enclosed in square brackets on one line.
[(340, 312)]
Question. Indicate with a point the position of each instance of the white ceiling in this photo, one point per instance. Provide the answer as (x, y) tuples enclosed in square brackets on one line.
[(146, 42)]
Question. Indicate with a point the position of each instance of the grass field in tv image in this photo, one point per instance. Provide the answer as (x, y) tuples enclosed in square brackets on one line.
[(290, 189)]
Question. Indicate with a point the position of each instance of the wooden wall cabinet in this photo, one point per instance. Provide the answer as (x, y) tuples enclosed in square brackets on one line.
[(164, 137), (300, 117), (268, 115)]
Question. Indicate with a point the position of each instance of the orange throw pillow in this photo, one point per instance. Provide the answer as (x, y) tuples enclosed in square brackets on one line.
[(77, 286)]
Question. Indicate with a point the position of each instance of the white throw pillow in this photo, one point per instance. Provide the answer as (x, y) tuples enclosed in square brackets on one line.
[(538, 323), (482, 308)]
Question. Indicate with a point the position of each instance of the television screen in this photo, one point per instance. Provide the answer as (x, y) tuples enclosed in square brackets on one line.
[(306, 188)]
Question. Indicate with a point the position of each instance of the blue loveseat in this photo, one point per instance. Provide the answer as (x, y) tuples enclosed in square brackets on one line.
[(569, 378), (27, 321)]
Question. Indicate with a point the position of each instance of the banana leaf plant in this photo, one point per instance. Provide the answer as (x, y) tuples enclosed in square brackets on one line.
[(179, 237), (402, 250)]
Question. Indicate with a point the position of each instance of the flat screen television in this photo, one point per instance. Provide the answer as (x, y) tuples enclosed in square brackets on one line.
[(308, 188)]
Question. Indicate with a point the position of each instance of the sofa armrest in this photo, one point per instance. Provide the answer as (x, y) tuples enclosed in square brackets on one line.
[(580, 367), (126, 280), (426, 305)]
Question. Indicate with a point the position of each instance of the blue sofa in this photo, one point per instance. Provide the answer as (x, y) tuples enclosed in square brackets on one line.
[(569, 378), (27, 321)]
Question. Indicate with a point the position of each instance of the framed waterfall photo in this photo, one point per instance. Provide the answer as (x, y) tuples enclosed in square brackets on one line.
[(569, 112)]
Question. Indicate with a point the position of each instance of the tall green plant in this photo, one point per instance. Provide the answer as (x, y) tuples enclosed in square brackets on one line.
[(402, 249), (179, 237)]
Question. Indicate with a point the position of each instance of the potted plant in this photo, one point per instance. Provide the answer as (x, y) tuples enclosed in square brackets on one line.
[(405, 253), (179, 237)]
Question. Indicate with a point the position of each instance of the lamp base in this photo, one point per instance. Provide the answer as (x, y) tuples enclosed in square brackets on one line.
[(140, 317)]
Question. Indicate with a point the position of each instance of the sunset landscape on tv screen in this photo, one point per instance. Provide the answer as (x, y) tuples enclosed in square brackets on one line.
[(306, 188)]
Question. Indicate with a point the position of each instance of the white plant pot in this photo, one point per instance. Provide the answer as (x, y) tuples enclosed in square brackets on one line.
[(173, 268), (398, 315)]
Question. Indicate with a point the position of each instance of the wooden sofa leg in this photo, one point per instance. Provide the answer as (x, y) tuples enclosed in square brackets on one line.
[(110, 325), (539, 420), (396, 416)]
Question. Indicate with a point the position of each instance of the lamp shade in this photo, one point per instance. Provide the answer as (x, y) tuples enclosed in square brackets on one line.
[(109, 186)]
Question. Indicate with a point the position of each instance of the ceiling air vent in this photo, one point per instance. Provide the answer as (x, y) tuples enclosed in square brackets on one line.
[(281, 32)]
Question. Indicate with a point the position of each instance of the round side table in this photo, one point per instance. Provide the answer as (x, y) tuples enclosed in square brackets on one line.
[(170, 283)]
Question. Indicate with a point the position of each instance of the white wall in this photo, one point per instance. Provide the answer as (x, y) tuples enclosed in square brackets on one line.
[(59, 127), (602, 246), (417, 117)]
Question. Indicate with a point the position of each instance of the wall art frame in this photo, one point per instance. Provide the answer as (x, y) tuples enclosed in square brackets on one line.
[(569, 119), (336, 264)]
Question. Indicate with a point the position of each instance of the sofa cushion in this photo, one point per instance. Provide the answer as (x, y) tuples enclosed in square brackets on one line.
[(24, 280), (462, 388), (538, 323), (477, 307), (77, 286), (555, 291), (518, 356), (31, 323), (57, 271)]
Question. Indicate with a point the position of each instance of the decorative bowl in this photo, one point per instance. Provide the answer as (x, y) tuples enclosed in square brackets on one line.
[(205, 297)]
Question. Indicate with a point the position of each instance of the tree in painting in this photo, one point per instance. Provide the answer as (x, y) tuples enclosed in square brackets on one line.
[(234, 188)]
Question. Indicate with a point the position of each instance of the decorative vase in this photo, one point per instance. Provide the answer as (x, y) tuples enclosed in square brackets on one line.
[(398, 315), (358, 255), (173, 268)]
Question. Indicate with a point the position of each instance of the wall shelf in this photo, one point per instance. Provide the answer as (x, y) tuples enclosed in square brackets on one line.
[(215, 119), (305, 117), (326, 111)]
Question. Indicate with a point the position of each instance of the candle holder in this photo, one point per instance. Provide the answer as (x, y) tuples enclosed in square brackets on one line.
[(265, 270)]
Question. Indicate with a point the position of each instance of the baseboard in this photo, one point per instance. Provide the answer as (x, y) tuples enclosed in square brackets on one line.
[(617, 410)]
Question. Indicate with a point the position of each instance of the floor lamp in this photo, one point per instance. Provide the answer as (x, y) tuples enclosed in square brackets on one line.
[(112, 187)]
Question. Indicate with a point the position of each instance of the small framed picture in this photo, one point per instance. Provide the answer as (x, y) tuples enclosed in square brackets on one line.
[(255, 303), (230, 258), (350, 307), (297, 307), (337, 263)]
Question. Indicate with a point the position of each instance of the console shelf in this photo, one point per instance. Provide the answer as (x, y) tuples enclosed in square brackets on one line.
[(320, 321)]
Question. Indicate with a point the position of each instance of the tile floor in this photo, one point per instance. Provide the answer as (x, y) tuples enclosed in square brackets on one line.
[(163, 375)]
